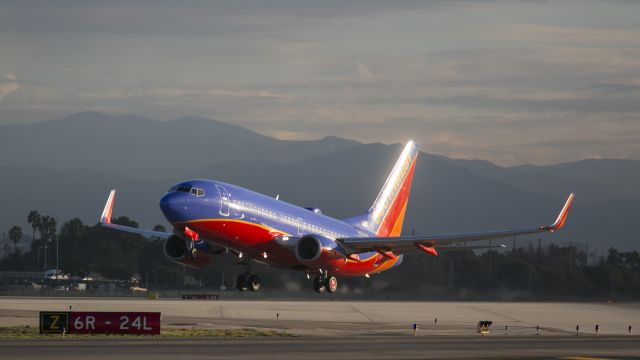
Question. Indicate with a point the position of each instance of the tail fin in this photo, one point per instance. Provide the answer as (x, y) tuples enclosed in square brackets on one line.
[(386, 215)]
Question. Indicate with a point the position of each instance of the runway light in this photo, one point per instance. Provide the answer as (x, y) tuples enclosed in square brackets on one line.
[(240, 255), (264, 254)]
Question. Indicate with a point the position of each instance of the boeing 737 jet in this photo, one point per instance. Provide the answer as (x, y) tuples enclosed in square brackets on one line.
[(211, 218)]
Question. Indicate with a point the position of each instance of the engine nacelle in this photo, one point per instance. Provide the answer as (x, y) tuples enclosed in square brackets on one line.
[(176, 249), (313, 247)]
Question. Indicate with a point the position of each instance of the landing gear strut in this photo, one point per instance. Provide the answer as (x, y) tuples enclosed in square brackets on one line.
[(324, 281), (318, 284)]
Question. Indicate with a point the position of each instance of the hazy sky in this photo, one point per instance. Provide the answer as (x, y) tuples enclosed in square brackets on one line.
[(508, 81)]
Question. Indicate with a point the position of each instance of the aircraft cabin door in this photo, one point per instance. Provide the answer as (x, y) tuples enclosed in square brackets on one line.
[(224, 200), (299, 223)]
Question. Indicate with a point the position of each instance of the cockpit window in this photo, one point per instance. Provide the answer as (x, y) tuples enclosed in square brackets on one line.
[(188, 189), (197, 192)]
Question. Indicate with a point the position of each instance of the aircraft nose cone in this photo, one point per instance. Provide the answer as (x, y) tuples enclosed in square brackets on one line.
[(173, 206)]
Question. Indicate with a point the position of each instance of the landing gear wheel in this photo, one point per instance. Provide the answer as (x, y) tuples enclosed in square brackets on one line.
[(241, 282), (253, 282), (318, 284), (332, 284)]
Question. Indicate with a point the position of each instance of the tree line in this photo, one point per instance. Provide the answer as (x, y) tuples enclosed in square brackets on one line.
[(85, 249), (551, 271)]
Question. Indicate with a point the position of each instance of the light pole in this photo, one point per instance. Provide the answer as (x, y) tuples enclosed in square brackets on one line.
[(57, 253), (45, 257), (38, 262)]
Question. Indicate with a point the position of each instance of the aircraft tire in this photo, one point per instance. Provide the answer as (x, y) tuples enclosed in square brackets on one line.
[(332, 284), (241, 282), (253, 282), (318, 285)]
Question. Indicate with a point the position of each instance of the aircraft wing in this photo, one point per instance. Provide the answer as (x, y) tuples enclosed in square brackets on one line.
[(105, 221), (431, 243)]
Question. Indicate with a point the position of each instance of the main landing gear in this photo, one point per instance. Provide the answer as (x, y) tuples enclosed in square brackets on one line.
[(324, 281), (248, 281)]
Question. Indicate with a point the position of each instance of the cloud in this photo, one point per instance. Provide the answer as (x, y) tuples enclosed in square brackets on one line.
[(10, 77), (182, 94), (554, 34), (7, 88), (506, 81), (364, 71), (8, 84), (192, 18)]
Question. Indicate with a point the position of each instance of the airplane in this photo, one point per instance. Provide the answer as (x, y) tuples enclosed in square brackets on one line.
[(212, 218)]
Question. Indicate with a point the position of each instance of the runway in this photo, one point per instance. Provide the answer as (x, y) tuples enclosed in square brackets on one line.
[(340, 329), (352, 348), (337, 318)]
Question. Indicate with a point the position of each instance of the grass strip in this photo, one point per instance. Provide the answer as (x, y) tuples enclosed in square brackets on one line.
[(29, 332)]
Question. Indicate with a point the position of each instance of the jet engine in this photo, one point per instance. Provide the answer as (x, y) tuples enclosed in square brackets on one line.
[(180, 250), (312, 247)]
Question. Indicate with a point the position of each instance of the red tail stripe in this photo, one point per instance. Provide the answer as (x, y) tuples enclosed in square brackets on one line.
[(401, 197)]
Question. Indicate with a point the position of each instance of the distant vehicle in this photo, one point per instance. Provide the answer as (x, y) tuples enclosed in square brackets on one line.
[(56, 274), (211, 218), (80, 287), (61, 288)]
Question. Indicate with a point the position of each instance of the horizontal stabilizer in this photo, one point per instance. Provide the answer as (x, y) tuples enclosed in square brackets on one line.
[(105, 221)]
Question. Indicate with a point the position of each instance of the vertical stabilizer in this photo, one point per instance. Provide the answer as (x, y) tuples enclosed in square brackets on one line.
[(386, 215)]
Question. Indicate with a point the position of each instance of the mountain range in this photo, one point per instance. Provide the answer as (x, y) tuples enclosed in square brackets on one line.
[(66, 167)]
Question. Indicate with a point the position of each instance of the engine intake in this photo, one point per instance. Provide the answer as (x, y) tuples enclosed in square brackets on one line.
[(176, 249), (311, 247)]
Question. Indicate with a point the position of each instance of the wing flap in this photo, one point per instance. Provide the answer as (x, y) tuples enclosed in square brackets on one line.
[(469, 247)]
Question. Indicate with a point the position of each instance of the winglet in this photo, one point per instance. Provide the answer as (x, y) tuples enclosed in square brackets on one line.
[(562, 217), (108, 208)]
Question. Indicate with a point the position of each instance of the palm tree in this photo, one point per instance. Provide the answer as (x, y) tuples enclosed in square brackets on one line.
[(47, 228), (34, 219), (48, 231), (15, 234)]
